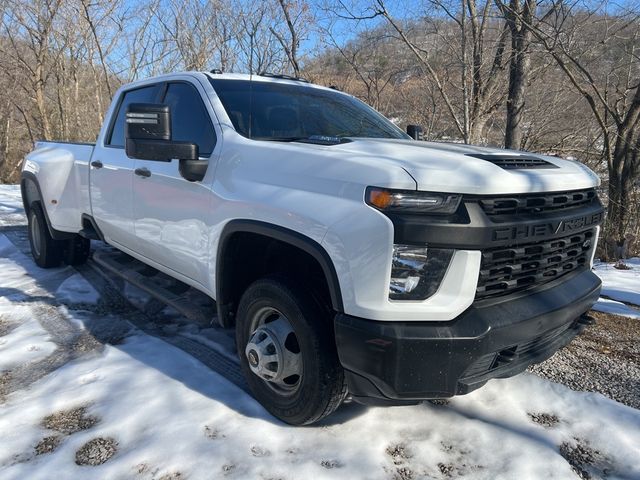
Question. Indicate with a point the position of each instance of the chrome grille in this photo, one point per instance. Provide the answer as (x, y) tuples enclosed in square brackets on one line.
[(507, 269)]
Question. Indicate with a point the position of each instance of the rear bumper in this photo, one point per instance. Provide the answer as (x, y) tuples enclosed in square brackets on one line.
[(403, 362)]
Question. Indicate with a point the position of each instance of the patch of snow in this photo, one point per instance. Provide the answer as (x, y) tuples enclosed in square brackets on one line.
[(11, 210), (17, 271), (27, 341), (620, 287), (616, 308)]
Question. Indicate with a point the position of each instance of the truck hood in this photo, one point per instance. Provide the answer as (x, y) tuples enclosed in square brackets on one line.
[(448, 167)]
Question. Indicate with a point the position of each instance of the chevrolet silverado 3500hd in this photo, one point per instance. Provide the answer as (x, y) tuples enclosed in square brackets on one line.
[(349, 257)]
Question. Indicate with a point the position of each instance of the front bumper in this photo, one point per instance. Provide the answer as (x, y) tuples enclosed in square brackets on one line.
[(404, 362)]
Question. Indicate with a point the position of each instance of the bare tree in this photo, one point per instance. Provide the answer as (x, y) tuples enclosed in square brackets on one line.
[(259, 48), (28, 27), (297, 19), (373, 58), (478, 79)]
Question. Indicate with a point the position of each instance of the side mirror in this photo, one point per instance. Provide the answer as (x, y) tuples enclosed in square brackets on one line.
[(415, 132), (148, 135)]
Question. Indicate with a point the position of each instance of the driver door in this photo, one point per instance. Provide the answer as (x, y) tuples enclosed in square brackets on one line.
[(171, 214)]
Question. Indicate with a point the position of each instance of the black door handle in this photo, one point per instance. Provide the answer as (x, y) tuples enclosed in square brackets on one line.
[(96, 164), (142, 172)]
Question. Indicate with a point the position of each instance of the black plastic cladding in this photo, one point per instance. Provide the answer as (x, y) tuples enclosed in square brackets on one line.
[(396, 361)]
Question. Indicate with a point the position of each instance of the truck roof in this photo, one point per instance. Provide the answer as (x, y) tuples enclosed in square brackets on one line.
[(267, 78)]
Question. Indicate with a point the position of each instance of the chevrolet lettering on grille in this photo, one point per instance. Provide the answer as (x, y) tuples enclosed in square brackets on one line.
[(546, 229)]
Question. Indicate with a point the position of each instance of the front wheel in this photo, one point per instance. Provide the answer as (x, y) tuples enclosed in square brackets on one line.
[(287, 352)]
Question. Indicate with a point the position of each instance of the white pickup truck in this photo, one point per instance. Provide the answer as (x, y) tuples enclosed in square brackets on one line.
[(349, 257)]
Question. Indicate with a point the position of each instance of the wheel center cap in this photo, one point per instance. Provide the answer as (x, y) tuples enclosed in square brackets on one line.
[(253, 358)]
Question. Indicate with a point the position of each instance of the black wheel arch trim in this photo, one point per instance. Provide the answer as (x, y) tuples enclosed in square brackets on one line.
[(26, 203), (284, 235), (86, 218)]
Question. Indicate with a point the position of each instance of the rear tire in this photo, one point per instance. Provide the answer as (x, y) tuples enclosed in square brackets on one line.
[(46, 251), (320, 385)]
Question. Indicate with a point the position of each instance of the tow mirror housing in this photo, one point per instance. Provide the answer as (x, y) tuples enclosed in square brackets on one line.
[(148, 135)]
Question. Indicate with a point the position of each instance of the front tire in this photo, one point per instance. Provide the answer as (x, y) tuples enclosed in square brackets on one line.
[(287, 352)]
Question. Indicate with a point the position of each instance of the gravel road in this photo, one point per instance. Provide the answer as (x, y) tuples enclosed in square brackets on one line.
[(604, 359)]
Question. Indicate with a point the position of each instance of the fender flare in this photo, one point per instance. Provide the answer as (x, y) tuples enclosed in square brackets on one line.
[(29, 178), (281, 234)]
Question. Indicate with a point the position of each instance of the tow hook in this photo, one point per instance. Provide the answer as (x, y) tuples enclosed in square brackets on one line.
[(507, 356)]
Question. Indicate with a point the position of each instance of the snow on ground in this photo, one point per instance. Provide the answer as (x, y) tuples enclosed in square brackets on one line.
[(169, 414), (617, 308), (621, 287), (26, 341), (11, 211)]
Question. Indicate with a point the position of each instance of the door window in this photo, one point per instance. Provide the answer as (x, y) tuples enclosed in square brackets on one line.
[(139, 95), (190, 120)]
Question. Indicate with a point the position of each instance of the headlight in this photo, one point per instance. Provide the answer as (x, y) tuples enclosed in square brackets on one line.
[(412, 201), (417, 271)]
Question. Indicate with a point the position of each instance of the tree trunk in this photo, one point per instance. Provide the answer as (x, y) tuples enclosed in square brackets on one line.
[(518, 69), (518, 18), (623, 169), (617, 209)]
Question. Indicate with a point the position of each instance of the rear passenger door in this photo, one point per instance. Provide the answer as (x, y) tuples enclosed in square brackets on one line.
[(111, 177), (171, 214)]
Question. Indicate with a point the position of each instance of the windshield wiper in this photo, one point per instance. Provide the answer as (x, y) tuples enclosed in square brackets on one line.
[(315, 139)]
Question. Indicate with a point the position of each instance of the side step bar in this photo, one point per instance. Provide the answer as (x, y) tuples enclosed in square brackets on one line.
[(89, 233), (194, 305)]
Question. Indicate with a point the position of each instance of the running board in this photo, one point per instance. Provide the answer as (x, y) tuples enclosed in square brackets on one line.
[(193, 304)]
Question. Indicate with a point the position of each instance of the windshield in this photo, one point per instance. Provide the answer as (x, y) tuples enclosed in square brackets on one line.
[(282, 112)]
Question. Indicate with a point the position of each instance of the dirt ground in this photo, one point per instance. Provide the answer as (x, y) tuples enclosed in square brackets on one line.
[(604, 359)]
